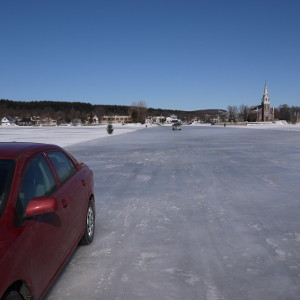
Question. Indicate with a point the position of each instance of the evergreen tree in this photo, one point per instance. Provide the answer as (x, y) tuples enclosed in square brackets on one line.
[(110, 128)]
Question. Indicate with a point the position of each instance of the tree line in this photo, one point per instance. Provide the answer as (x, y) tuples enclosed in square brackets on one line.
[(65, 112)]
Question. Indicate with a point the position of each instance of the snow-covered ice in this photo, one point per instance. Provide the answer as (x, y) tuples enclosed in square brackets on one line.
[(208, 212), (61, 135)]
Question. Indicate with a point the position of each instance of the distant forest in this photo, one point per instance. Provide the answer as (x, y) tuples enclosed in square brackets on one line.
[(67, 111)]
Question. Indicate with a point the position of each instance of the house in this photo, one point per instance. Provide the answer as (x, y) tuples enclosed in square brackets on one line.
[(156, 120), (8, 121), (45, 121), (95, 120), (172, 119), (91, 120), (25, 122), (116, 119)]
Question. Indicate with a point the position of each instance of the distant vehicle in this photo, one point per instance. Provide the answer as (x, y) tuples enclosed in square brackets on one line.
[(47, 207), (176, 126)]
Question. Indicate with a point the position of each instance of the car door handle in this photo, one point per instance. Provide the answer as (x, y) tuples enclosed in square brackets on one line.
[(64, 203), (83, 182)]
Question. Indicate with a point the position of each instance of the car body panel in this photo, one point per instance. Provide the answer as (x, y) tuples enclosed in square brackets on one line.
[(34, 249)]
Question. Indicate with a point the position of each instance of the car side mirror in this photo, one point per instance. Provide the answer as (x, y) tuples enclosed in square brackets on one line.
[(40, 206)]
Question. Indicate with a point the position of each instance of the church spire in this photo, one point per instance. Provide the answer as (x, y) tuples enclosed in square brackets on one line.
[(266, 89), (265, 98)]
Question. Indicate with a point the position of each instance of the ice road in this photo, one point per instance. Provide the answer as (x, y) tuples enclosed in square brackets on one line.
[(203, 213)]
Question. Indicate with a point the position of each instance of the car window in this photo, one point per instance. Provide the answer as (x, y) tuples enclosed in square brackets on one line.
[(38, 181), (6, 171), (62, 164)]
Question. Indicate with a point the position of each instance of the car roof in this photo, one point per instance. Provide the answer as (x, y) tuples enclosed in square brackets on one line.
[(13, 150)]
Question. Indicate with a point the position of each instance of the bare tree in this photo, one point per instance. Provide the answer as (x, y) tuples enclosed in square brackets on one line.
[(244, 112), (138, 111), (232, 113), (60, 117)]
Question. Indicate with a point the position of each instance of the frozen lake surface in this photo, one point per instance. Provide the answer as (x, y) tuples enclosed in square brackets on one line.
[(203, 213)]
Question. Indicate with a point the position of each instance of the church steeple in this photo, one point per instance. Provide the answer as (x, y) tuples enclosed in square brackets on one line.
[(265, 98), (266, 112)]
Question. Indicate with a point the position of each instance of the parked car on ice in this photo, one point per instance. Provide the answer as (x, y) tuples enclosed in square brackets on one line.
[(176, 126), (46, 208)]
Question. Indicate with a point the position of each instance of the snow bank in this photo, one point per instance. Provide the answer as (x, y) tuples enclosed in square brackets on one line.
[(282, 125), (61, 135)]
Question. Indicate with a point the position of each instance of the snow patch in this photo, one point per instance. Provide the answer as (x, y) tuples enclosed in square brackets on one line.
[(212, 292), (144, 259), (61, 135), (143, 177)]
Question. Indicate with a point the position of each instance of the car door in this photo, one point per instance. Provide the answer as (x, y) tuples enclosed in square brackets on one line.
[(42, 237), (72, 193)]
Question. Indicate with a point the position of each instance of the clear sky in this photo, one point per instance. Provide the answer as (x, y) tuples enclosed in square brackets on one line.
[(177, 54)]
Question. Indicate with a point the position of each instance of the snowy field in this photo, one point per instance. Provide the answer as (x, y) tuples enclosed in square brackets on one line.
[(208, 212), (60, 135)]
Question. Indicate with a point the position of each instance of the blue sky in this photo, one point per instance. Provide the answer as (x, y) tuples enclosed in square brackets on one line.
[(173, 54)]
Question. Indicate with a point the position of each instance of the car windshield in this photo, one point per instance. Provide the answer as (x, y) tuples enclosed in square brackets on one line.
[(6, 171)]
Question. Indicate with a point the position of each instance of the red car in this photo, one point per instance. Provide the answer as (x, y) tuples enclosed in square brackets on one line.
[(47, 207)]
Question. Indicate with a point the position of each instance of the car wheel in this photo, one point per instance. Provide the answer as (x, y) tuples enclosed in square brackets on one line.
[(14, 295), (89, 226)]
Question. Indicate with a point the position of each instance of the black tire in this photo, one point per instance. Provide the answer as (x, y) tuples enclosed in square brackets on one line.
[(89, 226), (13, 295)]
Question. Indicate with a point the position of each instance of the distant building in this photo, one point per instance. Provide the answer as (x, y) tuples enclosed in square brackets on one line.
[(45, 121), (156, 120), (172, 119), (25, 122), (264, 113), (8, 121), (95, 120), (92, 120), (116, 119)]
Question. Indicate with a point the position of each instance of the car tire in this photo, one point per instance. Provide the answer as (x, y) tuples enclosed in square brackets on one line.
[(89, 231), (13, 295)]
